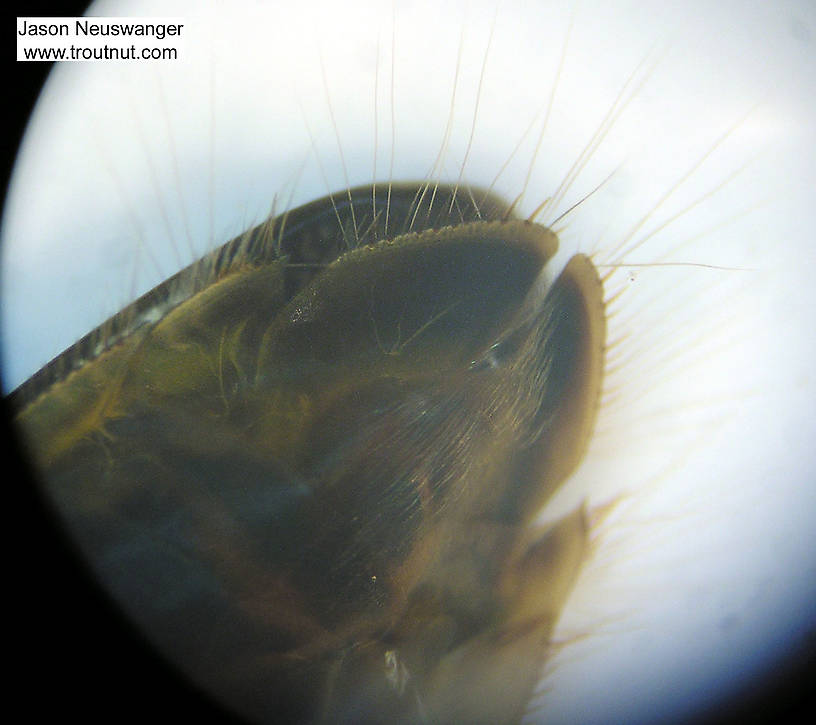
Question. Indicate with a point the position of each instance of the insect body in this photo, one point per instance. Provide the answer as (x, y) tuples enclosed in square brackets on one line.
[(309, 466)]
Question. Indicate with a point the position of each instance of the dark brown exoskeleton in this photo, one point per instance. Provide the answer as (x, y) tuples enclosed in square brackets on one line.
[(309, 466)]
